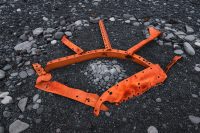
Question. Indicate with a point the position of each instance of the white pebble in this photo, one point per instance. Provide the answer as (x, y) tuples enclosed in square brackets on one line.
[(152, 129), (194, 96), (197, 67), (197, 43), (107, 114), (189, 29), (158, 100), (36, 106), (68, 33), (112, 19), (127, 21), (45, 18), (78, 23), (6, 100), (194, 119), (35, 97), (3, 94), (19, 10), (188, 48), (39, 101), (53, 42)]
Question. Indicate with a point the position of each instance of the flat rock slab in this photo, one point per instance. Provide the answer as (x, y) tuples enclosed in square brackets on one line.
[(18, 126), (194, 119), (2, 74), (22, 104), (189, 49), (38, 31), (24, 46)]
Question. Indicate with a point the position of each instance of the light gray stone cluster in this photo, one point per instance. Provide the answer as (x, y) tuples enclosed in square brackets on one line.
[(105, 73), (183, 41)]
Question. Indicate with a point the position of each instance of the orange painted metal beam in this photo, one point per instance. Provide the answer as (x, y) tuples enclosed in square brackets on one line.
[(153, 34), (71, 45), (132, 86), (104, 35), (89, 55)]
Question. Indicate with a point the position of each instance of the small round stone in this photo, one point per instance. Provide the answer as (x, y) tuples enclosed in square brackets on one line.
[(6, 100), (78, 23), (189, 49), (6, 114), (40, 110), (2, 74), (194, 96), (19, 10), (38, 31), (197, 43), (113, 70), (112, 19), (30, 72), (127, 21), (62, 22), (39, 101), (68, 33), (23, 37), (23, 74), (158, 100), (178, 51), (136, 24), (35, 97), (58, 35), (37, 121), (190, 38), (53, 42), (7, 67), (1, 129), (106, 78), (3, 94), (152, 129), (194, 119), (45, 18), (36, 106), (197, 67), (58, 130), (124, 119), (107, 114)]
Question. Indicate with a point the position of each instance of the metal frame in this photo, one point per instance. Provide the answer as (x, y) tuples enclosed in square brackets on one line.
[(124, 90)]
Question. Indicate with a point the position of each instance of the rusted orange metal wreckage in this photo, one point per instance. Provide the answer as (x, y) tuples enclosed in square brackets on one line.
[(128, 88)]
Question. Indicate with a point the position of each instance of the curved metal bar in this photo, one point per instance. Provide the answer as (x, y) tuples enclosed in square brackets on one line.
[(89, 55)]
